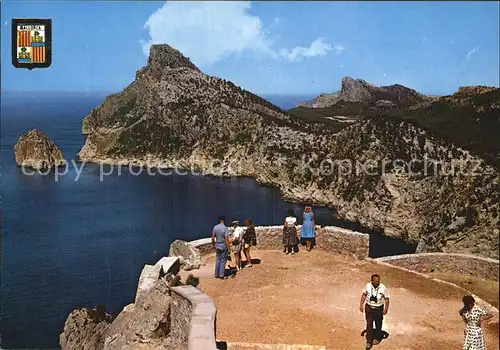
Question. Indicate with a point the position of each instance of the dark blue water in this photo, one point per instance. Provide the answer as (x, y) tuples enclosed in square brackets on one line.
[(80, 241)]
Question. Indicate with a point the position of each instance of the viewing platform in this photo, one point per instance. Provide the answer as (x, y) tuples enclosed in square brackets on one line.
[(312, 298)]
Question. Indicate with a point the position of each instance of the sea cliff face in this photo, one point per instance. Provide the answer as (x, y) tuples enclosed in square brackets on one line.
[(173, 115)]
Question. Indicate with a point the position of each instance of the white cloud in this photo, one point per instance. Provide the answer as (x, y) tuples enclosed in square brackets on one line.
[(209, 31), (338, 48), (317, 48), (206, 31), (471, 52)]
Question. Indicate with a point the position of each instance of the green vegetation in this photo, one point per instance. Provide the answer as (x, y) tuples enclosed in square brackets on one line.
[(192, 280), (148, 137), (176, 281), (469, 122), (119, 109)]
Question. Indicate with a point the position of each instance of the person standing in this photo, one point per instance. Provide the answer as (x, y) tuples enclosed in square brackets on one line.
[(249, 240), (236, 244), (375, 304), (473, 316), (220, 240), (307, 231), (290, 237)]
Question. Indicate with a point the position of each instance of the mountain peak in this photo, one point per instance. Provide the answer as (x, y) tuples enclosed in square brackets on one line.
[(360, 91), (163, 55), (351, 80), (354, 89)]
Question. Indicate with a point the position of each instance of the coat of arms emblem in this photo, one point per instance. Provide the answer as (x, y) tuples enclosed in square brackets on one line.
[(31, 43)]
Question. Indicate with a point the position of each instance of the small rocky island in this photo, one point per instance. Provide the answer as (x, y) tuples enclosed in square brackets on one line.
[(35, 150)]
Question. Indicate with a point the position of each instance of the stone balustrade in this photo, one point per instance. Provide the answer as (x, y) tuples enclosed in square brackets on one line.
[(193, 319), (193, 313), (350, 243), (330, 238), (462, 264)]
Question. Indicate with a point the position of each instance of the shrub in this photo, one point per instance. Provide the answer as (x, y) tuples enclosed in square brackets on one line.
[(175, 281), (192, 280)]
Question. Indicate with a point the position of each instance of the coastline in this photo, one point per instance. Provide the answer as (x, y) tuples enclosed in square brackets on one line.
[(157, 164)]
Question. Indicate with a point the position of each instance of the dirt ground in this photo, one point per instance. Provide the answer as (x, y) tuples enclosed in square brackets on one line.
[(313, 298)]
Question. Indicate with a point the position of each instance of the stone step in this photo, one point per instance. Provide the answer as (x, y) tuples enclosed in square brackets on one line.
[(221, 345)]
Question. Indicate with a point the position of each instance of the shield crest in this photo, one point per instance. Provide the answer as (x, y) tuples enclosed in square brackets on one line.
[(31, 43)]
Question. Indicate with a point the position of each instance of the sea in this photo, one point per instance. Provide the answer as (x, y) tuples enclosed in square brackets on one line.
[(81, 239)]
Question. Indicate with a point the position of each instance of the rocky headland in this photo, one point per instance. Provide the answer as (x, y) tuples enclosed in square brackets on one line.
[(35, 150), (173, 115)]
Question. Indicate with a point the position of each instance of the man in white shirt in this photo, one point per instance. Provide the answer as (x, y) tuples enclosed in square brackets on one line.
[(236, 237), (375, 303)]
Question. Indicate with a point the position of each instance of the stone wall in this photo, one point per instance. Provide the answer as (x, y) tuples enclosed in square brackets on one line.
[(462, 264), (330, 238), (193, 318), (482, 303), (344, 242), (204, 245)]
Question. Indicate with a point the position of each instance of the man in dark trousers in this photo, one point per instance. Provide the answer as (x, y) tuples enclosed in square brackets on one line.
[(375, 303), (220, 240)]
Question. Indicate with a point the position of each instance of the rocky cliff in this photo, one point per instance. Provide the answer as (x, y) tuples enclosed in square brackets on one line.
[(173, 115), (144, 324), (85, 329), (360, 91), (35, 150)]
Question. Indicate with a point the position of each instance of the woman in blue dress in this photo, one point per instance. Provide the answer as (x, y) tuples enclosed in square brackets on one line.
[(307, 232)]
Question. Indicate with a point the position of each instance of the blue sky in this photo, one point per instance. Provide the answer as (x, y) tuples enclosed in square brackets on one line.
[(266, 47)]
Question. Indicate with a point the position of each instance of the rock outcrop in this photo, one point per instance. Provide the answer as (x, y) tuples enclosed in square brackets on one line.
[(475, 90), (360, 91), (190, 257), (85, 329), (173, 115), (145, 324), (35, 150)]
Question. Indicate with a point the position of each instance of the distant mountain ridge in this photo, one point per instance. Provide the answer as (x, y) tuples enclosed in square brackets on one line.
[(468, 118), (175, 116), (360, 91)]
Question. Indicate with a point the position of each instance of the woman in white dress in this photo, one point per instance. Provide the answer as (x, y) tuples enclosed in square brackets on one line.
[(473, 316)]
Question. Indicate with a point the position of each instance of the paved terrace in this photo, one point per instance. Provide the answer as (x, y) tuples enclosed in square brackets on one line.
[(312, 298)]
